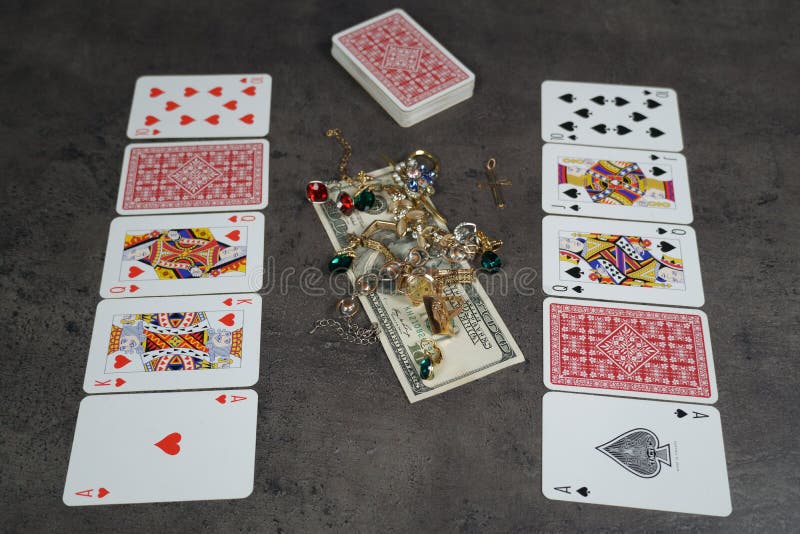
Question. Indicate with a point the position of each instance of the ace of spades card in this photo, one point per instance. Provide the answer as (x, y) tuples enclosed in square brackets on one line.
[(204, 106), (623, 116), (160, 447), (634, 453)]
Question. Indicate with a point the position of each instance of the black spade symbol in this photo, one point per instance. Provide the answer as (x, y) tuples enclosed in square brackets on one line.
[(665, 247), (584, 491), (599, 100), (658, 171), (575, 207), (569, 126), (646, 92), (653, 157), (636, 116), (583, 112), (621, 130), (567, 98), (655, 132), (575, 272), (661, 231), (680, 413), (652, 104), (601, 128), (620, 101), (572, 193), (572, 137), (577, 289)]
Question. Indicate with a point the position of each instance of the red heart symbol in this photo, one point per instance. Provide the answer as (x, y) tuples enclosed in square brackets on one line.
[(171, 105), (134, 271), (102, 492), (150, 120), (217, 91), (234, 235), (156, 132), (186, 119), (230, 105), (221, 399), (248, 119), (243, 80), (134, 288), (228, 319), (250, 90), (228, 302), (213, 119), (119, 382), (155, 91), (170, 443), (233, 218), (121, 361), (189, 91)]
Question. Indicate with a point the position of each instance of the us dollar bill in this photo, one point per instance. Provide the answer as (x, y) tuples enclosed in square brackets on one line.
[(482, 343)]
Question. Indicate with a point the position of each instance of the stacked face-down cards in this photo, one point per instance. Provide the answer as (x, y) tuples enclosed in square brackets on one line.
[(631, 422), (194, 322), (409, 73)]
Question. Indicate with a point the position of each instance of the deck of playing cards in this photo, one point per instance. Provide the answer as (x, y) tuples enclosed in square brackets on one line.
[(403, 67)]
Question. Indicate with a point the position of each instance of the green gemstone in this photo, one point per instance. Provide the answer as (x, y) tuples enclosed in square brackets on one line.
[(425, 368), (491, 261), (364, 200), (340, 263)]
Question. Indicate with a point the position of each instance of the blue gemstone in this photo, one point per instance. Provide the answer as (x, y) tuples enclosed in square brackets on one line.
[(413, 185)]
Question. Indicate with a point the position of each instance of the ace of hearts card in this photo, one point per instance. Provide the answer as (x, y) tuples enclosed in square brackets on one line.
[(634, 453), (200, 106), (162, 447), (184, 255), (622, 116), (628, 350), (621, 260), (172, 343)]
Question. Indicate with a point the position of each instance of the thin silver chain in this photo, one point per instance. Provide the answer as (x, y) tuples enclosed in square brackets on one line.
[(350, 332)]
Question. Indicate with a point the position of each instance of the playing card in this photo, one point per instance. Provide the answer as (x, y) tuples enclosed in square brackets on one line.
[(184, 255), (628, 350), (621, 260), (615, 183), (168, 343), (219, 105), (625, 116), (397, 55), (198, 176), (161, 447), (635, 453)]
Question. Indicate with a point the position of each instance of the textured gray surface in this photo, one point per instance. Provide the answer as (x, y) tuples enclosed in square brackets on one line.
[(339, 446)]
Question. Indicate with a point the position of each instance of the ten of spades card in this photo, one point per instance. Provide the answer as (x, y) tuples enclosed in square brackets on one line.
[(184, 255), (635, 453), (623, 116), (621, 260), (160, 447), (171, 343)]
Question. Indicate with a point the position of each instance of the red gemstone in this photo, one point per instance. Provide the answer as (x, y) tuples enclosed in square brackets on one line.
[(345, 203), (316, 192)]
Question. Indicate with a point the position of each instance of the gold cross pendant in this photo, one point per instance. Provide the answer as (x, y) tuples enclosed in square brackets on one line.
[(494, 184)]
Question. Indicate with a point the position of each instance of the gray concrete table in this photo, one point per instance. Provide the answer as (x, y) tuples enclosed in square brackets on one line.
[(339, 446)]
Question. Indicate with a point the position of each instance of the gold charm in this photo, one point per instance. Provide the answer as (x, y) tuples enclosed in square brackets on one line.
[(440, 315)]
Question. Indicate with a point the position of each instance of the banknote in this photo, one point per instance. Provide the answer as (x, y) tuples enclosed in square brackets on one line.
[(482, 343)]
